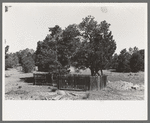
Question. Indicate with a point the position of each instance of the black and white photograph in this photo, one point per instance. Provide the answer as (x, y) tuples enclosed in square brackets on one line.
[(75, 53)]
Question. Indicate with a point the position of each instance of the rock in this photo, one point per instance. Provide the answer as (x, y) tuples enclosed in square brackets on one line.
[(135, 87), (7, 75), (19, 87), (59, 92), (85, 96), (50, 87), (53, 89), (40, 98)]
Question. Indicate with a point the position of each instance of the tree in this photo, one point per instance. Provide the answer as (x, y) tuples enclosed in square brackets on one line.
[(28, 63), (26, 59), (6, 49), (44, 56), (97, 46), (114, 61), (53, 54), (46, 59), (23, 53), (136, 62), (133, 50), (11, 60), (69, 44), (124, 61), (141, 52), (8, 62)]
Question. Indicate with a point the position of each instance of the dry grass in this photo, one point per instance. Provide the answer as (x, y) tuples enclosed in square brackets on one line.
[(135, 78)]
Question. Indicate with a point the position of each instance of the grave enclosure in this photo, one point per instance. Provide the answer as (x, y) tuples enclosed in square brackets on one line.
[(72, 81)]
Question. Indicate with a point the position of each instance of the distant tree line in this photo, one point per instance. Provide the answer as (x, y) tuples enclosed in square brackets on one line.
[(88, 44), (128, 61)]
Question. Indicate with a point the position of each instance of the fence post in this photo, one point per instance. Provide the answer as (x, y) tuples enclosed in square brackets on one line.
[(98, 82), (88, 78), (58, 81), (101, 82), (34, 78)]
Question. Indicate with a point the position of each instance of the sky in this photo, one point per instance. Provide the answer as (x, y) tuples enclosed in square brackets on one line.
[(27, 23)]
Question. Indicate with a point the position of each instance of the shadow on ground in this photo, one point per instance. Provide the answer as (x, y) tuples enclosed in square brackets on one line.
[(27, 79)]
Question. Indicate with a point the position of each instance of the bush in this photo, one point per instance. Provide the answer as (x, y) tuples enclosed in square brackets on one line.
[(136, 62), (8, 63), (11, 60), (123, 61), (28, 63)]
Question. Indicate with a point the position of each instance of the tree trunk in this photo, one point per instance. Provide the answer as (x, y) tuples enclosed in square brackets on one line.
[(52, 78), (92, 72), (97, 73), (101, 72)]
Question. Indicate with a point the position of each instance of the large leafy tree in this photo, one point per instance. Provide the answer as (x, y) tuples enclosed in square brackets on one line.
[(47, 52), (55, 51), (69, 44), (97, 46), (46, 58)]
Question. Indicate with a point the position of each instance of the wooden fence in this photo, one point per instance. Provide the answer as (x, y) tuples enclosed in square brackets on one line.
[(72, 81), (81, 82), (98, 82), (41, 78)]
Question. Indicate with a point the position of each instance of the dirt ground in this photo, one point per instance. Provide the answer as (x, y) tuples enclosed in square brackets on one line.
[(19, 86)]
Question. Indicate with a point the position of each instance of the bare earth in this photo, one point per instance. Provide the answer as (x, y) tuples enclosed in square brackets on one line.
[(17, 88)]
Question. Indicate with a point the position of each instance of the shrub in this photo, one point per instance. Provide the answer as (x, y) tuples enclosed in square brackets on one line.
[(136, 62), (123, 61), (28, 63), (11, 60)]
